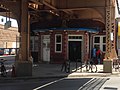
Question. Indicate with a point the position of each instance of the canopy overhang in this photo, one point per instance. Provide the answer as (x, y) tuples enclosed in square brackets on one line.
[(90, 30)]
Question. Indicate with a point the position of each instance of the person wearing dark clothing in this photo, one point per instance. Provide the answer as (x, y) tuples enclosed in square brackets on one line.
[(93, 54), (98, 55)]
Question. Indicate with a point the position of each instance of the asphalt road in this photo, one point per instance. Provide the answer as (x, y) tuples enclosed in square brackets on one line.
[(44, 84), (8, 63), (23, 84), (54, 84), (9, 60)]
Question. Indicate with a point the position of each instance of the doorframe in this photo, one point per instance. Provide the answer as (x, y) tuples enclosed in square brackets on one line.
[(42, 46), (75, 40)]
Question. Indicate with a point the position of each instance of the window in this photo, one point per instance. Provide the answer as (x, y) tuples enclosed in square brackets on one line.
[(97, 40), (75, 37), (104, 39), (34, 43), (58, 43), (104, 47), (100, 41)]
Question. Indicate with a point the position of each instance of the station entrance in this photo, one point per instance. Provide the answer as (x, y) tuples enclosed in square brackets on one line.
[(75, 48)]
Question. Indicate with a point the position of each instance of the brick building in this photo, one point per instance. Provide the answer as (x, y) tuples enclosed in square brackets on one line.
[(55, 46), (8, 38)]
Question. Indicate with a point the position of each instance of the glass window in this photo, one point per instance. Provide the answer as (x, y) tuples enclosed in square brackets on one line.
[(97, 46), (97, 40), (104, 39), (70, 37), (80, 37), (100, 41), (58, 38), (75, 37), (104, 47), (36, 45), (58, 46)]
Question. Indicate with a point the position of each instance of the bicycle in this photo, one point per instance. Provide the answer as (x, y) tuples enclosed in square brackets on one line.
[(3, 69), (116, 64), (66, 66), (89, 66)]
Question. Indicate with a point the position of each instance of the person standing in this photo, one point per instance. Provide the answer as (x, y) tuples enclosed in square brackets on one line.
[(98, 55), (93, 56)]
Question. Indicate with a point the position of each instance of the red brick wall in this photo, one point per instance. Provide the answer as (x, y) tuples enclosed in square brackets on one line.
[(56, 57), (60, 57)]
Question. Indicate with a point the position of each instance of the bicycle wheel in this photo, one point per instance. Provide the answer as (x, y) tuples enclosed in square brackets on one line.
[(117, 68), (114, 66), (88, 67), (93, 68), (3, 71)]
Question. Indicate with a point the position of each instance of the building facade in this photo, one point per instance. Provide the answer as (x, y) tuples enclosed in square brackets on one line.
[(57, 46), (9, 40)]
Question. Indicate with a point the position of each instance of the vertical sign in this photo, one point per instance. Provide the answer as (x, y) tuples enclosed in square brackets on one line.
[(118, 28)]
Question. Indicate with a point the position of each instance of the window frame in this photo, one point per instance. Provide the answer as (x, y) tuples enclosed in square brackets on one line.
[(101, 44), (58, 43)]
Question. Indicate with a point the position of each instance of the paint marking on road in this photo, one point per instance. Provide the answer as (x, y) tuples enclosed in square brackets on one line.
[(48, 84), (86, 83)]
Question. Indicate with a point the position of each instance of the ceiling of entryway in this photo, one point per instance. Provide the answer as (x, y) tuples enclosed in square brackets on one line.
[(72, 13)]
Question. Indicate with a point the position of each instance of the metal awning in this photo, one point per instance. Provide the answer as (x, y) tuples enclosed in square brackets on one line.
[(91, 30)]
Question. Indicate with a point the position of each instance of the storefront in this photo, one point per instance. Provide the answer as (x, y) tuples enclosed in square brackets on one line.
[(56, 46)]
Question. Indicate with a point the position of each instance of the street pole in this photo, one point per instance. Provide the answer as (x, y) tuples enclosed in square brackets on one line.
[(110, 54), (23, 65)]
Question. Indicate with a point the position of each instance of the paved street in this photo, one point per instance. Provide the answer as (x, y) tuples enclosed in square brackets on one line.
[(24, 84), (50, 77), (54, 84), (83, 83), (8, 63)]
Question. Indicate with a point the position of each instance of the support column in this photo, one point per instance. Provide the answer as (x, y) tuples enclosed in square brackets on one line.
[(110, 37), (23, 64)]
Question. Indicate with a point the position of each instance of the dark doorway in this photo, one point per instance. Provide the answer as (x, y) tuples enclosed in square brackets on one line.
[(74, 50)]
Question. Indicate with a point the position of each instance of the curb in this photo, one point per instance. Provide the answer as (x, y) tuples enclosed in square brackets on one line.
[(32, 77), (75, 74)]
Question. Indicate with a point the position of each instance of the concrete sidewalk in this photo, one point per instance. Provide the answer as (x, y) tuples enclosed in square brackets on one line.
[(54, 70), (111, 84)]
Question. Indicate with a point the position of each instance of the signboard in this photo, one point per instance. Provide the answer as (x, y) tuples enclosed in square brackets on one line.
[(119, 52), (7, 25), (118, 28)]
